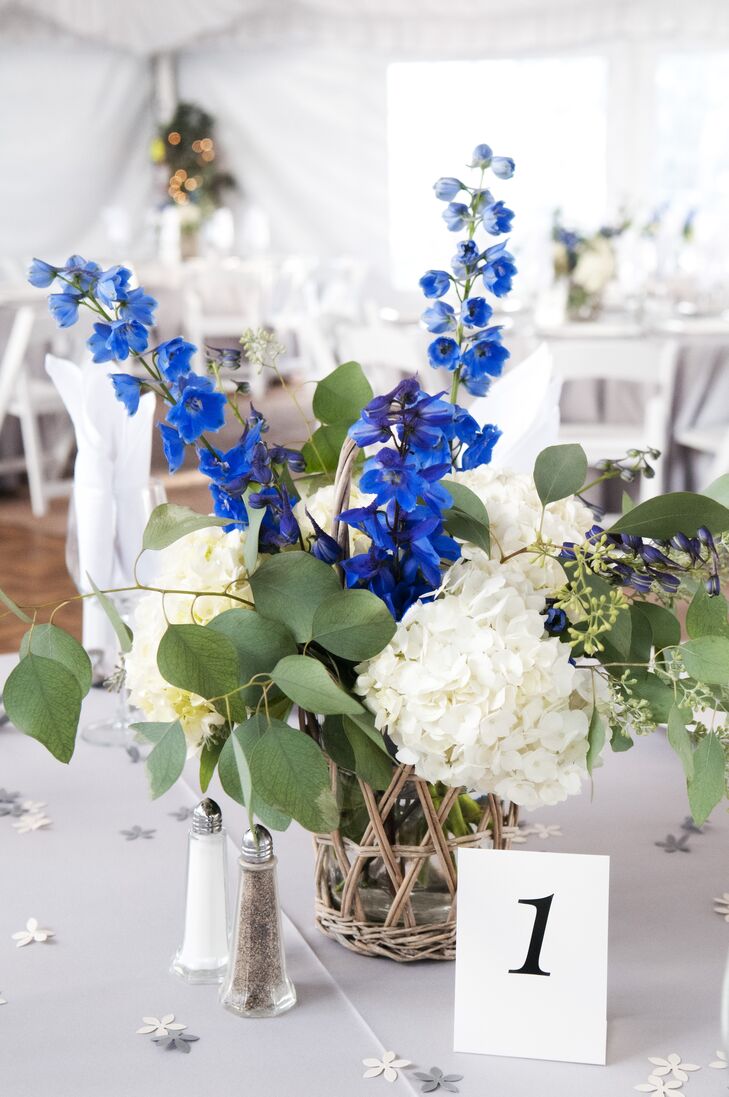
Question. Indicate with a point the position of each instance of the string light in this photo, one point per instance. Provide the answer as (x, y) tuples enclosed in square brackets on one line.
[(174, 138)]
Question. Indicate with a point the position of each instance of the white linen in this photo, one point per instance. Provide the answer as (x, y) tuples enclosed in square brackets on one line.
[(110, 476)]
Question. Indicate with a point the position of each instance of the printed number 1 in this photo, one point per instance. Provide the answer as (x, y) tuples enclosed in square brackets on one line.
[(541, 914)]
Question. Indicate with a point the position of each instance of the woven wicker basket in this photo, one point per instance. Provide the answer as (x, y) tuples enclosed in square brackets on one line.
[(401, 935)]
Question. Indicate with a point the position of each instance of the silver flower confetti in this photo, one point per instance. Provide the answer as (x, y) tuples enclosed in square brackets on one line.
[(435, 1079)]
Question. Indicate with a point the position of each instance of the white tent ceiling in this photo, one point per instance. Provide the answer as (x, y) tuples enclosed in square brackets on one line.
[(406, 27)]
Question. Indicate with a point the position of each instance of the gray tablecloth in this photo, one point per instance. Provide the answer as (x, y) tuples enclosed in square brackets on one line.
[(73, 1006)]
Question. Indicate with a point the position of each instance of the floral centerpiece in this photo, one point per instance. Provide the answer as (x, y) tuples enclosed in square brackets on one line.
[(380, 636), (586, 263)]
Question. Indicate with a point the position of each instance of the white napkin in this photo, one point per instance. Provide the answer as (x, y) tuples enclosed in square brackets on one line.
[(110, 476), (524, 404)]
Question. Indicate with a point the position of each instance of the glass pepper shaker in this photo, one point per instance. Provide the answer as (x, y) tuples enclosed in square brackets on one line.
[(203, 955), (257, 984)]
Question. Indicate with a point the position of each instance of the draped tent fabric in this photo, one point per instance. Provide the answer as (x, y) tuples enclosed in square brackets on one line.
[(411, 27)]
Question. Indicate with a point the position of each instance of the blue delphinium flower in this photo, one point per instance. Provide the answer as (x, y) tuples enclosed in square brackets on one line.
[(138, 306), (173, 357), (476, 312), (555, 620), (392, 476), (456, 216), (63, 308), (502, 166), (481, 447), (483, 360), (116, 340), (229, 506), (293, 458), (323, 545), (173, 446), (128, 390), (113, 285), (199, 408), (447, 188), (83, 273), (435, 283), (498, 270), (466, 259), (444, 352), (497, 218), (481, 157), (41, 274), (439, 317)]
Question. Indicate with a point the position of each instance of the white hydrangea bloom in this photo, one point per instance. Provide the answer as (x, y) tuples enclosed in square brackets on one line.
[(471, 689), (320, 505), (206, 560)]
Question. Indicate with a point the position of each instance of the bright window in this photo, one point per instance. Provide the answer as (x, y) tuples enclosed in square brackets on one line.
[(548, 114)]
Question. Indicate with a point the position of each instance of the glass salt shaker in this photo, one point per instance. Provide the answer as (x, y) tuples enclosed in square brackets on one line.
[(257, 984), (203, 955)]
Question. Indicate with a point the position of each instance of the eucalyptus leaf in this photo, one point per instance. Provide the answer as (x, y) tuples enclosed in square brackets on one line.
[(664, 626), (595, 739), (309, 685), (259, 644), (627, 503), (707, 616), (14, 607), (250, 543), (321, 452), (676, 512), (353, 624), (370, 763), (150, 731), (55, 643), (658, 694), (719, 490), (290, 772), (288, 588), (620, 741), (365, 721), (680, 739), (560, 471), (122, 630), (340, 396), (208, 761), (166, 760), (43, 699), (467, 518), (706, 659), (237, 782), (169, 522), (202, 661), (707, 787)]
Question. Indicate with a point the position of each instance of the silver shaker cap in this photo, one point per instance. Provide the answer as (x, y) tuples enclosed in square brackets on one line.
[(257, 845), (207, 818)]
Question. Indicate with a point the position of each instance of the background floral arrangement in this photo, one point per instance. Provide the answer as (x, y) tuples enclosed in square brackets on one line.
[(482, 628), (587, 263)]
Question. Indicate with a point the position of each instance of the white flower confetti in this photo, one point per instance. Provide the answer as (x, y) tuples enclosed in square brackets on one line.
[(672, 1065), (160, 1026), (27, 823), (516, 835), (660, 1086), (3, 1001), (388, 1066), (720, 1063), (32, 933), (33, 806), (722, 905), (544, 830)]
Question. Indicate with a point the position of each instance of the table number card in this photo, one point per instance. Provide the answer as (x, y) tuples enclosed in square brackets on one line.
[(531, 955)]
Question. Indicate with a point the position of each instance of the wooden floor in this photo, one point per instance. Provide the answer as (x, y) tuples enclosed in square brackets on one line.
[(32, 550)]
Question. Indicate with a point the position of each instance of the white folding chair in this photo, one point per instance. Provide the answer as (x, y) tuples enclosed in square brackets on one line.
[(710, 439), (645, 363), (28, 398)]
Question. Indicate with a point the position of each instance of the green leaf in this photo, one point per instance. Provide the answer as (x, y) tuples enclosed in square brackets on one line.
[(14, 607), (351, 748), (707, 659), (235, 779), (169, 522), (321, 453), (340, 396), (309, 685), (289, 587), (627, 503), (719, 490), (259, 643), (366, 723), (150, 731), (250, 542), (707, 787), (54, 643), (665, 629), (198, 659), (43, 699), (166, 760), (707, 616), (678, 511), (354, 624), (208, 761), (680, 740), (290, 773), (122, 630), (595, 739), (560, 471), (621, 633), (641, 636), (658, 694), (467, 518), (620, 741)]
